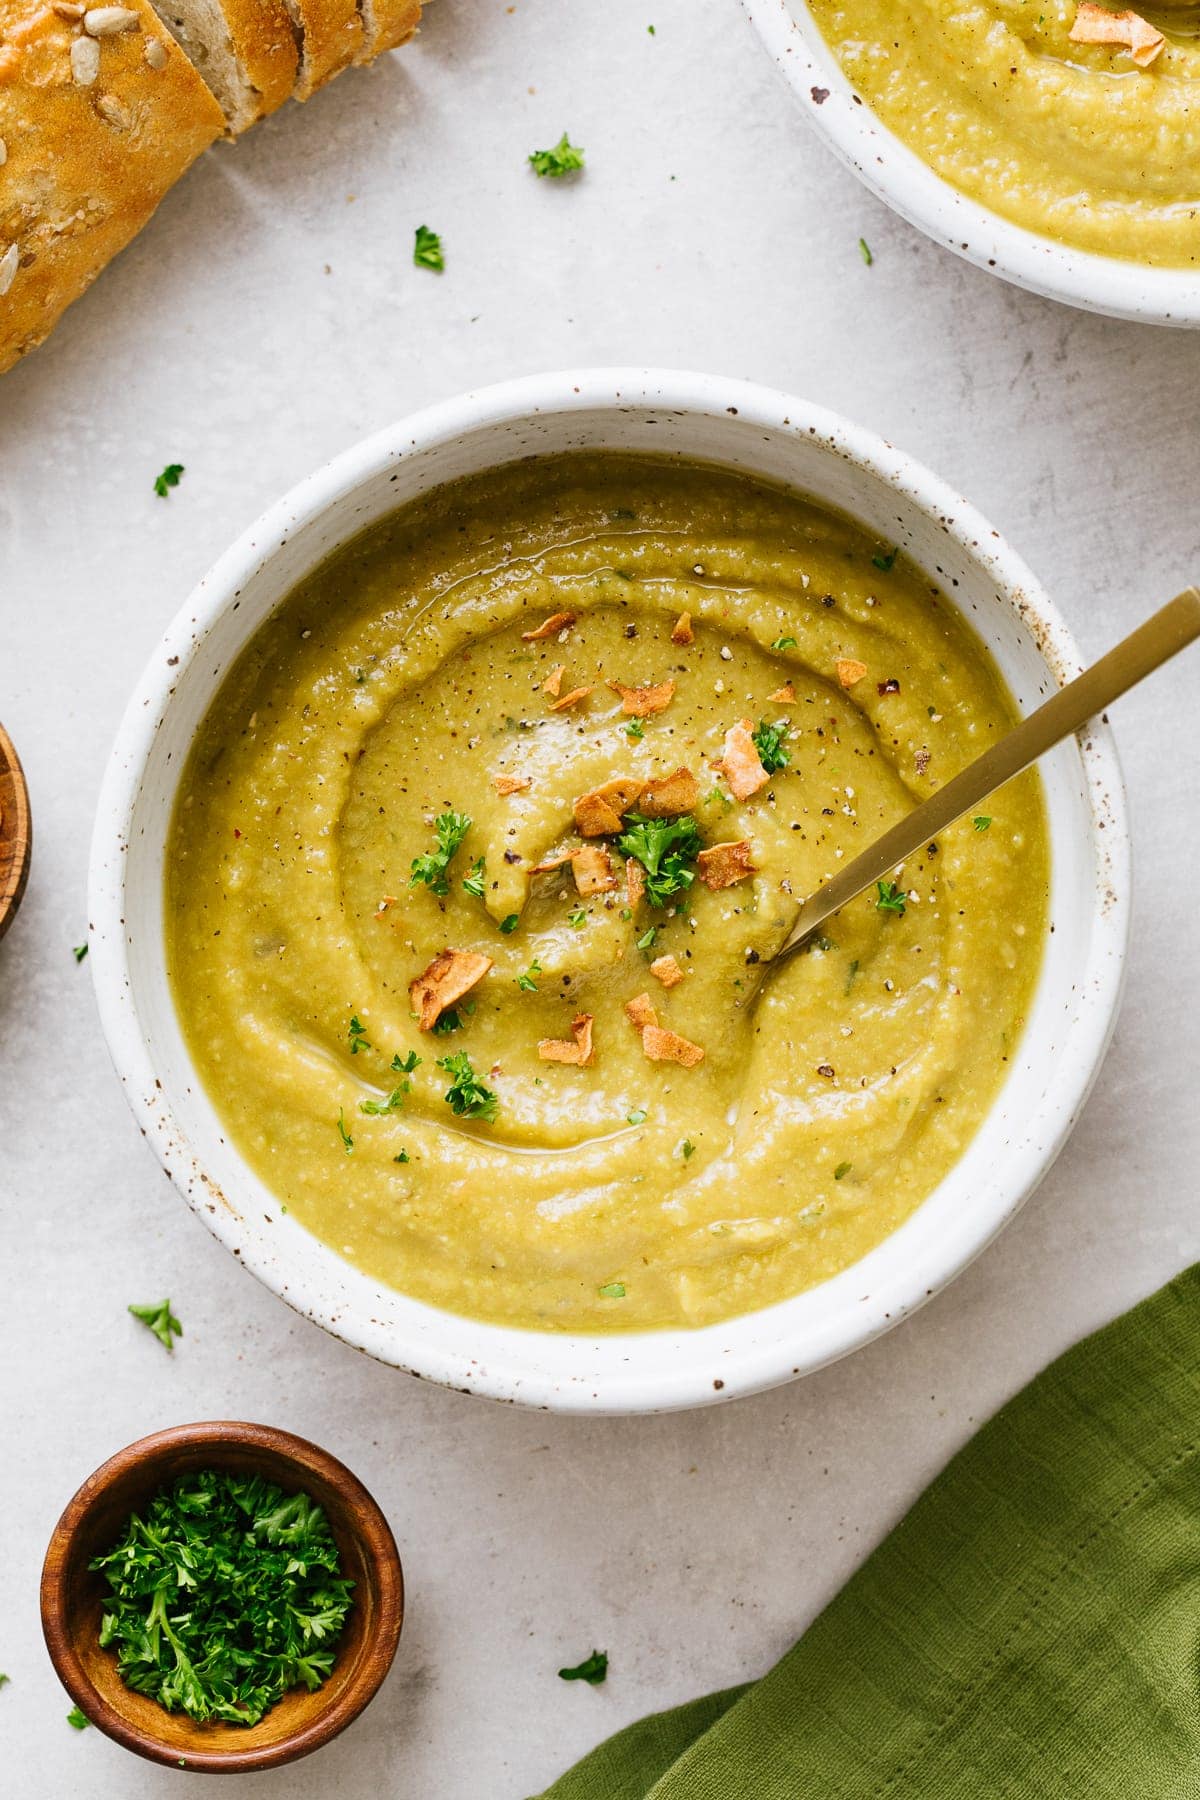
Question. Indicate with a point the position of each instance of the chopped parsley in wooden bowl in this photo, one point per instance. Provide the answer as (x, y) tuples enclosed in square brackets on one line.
[(289, 1628)]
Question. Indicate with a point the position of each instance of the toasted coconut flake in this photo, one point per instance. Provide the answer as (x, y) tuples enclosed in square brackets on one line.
[(640, 702), (1128, 30), (784, 696), (849, 670), (598, 812), (670, 795), (554, 680), (681, 631), (739, 764), (450, 975), (548, 864), (511, 784), (667, 1046), (641, 1012), (593, 870), (721, 865), (635, 883), (579, 693), (559, 621), (575, 1049), (666, 970)]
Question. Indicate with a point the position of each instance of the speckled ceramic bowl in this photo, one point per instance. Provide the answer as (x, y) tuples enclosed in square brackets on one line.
[(1105, 284), (693, 417)]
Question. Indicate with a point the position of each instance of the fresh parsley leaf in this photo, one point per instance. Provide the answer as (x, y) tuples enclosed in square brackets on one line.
[(395, 1100), (526, 981), (404, 1065), (850, 975), (784, 643), (168, 479), (223, 1594), (78, 1719), (451, 828), (864, 250), (578, 919), (358, 1036), (769, 741), (450, 1020), (510, 923), (891, 898), (635, 729), (981, 822), (347, 1140), (646, 942), (612, 1290), (402, 1158), (886, 562), (564, 159), (161, 1321), (842, 1169), (79, 951), (466, 1094), (687, 1149), (474, 882), (592, 1669), (427, 249), (637, 1116), (4, 1679), (666, 849)]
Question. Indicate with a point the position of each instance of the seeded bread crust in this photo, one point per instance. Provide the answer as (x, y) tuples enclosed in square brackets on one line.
[(244, 50), (265, 38), (331, 38), (386, 25), (100, 113)]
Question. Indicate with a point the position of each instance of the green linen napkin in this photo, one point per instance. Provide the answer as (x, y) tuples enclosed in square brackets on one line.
[(1031, 1628)]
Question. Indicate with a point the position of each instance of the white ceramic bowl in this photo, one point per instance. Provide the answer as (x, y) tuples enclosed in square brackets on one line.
[(1105, 284), (689, 416)]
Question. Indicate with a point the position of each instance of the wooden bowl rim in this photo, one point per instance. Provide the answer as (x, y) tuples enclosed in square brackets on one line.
[(13, 888), (369, 1526)]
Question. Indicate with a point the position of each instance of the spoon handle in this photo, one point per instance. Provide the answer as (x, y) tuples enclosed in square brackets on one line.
[(1162, 636)]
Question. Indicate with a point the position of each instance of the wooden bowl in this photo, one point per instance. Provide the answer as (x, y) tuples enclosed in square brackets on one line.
[(16, 832), (72, 1593)]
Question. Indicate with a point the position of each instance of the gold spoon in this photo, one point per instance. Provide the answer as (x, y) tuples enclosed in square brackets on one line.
[(1170, 630)]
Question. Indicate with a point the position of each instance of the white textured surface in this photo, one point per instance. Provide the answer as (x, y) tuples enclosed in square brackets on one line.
[(693, 1548)]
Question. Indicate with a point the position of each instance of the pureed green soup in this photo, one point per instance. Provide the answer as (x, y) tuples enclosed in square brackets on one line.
[(481, 851)]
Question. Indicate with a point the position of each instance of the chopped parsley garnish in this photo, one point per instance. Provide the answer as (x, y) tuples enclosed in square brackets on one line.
[(79, 1720), (404, 1065), (666, 849), (451, 829), (564, 159), (474, 882), (842, 1169), (223, 1595), (510, 923), (646, 941), (887, 562), (784, 643), (450, 1020), (395, 1100), (168, 479), (161, 1321), (466, 1094), (612, 1290), (79, 951), (427, 249), (981, 822), (347, 1140), (526, 981), (402, 1158), (687, 1149), (768, 741), (864, 250), (637, 1116), (635, 729), (358, 1036), (578, 919), (850, 974), (891, 898), (593, 1669)]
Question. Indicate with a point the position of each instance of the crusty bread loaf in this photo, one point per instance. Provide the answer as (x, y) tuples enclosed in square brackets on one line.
[(386, 25), (331, 37), (99, 114), (246, 51)]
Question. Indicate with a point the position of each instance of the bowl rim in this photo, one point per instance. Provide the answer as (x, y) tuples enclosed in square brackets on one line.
[(493, 1368), (895, 174), (367, 1522)]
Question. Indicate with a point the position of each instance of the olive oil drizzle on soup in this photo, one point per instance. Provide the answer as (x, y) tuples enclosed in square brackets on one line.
[(398, 686)]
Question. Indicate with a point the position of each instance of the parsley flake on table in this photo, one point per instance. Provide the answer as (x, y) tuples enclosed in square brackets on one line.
[(666, 849), (864, 250), (891, 898), (168, 479), (79, 951), (79, 1720), (564, 159), (224, 1595), (592, 1669), (427, 249), (358, 1036), (466, 1095), (981, 822), (161, 1321), (768, 741), (451, 828)]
